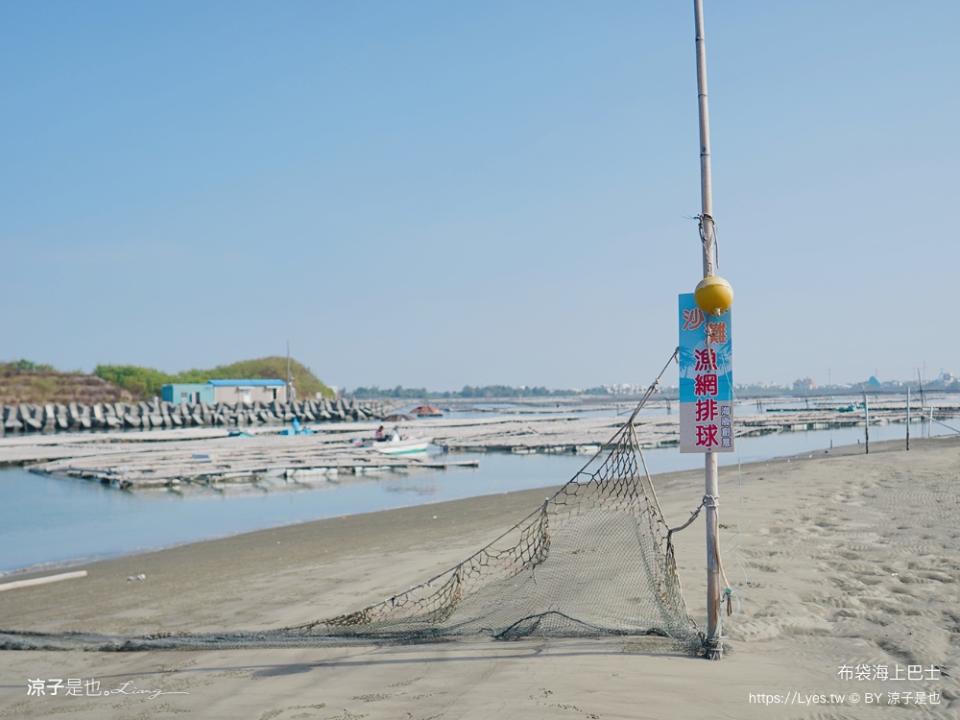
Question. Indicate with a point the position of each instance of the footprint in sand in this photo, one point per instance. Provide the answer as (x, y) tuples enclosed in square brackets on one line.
[(289, 712)]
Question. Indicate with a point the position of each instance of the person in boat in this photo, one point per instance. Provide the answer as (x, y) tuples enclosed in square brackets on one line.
[(380, 435), (395, 434)]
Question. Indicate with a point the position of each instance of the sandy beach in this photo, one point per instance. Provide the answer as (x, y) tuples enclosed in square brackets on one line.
[(836, 560)]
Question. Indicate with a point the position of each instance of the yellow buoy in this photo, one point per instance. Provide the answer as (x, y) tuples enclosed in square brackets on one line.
[(714, 295)]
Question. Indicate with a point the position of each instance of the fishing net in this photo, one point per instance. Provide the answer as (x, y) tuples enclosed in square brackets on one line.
[(593, 559)]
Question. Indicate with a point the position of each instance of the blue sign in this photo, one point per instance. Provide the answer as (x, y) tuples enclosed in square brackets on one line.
[(706, 379)]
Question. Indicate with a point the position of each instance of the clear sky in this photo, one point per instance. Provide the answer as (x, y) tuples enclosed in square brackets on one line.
[(443, 193)]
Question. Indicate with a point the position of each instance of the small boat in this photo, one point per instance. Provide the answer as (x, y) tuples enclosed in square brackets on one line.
[(296, 429), (403, 446), (427, 411)]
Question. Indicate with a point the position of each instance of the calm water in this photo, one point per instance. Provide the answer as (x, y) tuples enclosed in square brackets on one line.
[(59, 520)]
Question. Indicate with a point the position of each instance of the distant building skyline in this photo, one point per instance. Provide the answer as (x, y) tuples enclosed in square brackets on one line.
[(800, 385)]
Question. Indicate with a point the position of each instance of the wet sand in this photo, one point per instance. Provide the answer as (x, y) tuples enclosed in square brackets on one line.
[(836, 560)]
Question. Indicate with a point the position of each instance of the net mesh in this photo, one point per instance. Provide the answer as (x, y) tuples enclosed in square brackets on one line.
[(591, 560), (594, 559)]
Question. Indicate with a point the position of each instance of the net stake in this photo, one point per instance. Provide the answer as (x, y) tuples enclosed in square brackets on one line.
[(713, 646)]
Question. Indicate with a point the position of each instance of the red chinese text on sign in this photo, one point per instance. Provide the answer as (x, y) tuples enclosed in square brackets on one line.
[(705, 384)]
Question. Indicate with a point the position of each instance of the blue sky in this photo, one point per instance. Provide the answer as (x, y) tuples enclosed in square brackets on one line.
[(436, 193)]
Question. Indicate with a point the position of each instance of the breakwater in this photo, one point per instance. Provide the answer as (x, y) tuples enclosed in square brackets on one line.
[(59, 417)]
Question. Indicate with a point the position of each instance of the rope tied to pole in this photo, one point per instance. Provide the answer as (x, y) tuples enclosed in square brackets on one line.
[(709, 240), (708, 501), (712, 501), (670, 531)]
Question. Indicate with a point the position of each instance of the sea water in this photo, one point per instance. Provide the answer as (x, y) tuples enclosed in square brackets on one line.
[(59, 520)]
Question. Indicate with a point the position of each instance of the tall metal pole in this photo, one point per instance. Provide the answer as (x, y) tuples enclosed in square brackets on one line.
[(923, 410), (866, 423), (706, 176), (288, 398), (908, 417), (714, 647)]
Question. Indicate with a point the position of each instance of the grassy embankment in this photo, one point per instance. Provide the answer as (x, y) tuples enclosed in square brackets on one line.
[(27, 382)]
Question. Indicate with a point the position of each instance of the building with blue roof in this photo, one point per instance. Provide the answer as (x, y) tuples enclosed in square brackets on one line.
[(192, 393)]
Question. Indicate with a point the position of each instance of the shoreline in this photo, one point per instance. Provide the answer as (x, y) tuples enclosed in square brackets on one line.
[(39, 569)]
